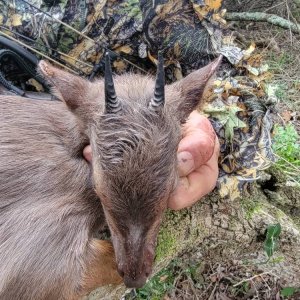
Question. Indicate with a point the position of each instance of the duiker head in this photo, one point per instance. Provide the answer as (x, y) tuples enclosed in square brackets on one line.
[(133, 125)]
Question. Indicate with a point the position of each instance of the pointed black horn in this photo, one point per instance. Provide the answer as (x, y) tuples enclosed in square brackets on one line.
[(112, 103), (159, 92)]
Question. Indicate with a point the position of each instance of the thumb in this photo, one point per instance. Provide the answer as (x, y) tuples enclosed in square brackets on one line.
[(195, 150)]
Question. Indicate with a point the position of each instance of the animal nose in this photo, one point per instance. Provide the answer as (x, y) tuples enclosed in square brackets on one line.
[(135, 279), (147, 269), (135, 282)]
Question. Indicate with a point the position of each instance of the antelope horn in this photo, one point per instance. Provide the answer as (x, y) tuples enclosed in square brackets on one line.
[(159, 92), (112, 103)]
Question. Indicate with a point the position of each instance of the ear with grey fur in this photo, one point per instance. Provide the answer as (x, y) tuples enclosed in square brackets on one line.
[(69, 88), (190, 90)]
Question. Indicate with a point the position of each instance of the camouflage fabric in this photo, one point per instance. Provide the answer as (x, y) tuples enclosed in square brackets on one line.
[(132, 29), (190, 33)]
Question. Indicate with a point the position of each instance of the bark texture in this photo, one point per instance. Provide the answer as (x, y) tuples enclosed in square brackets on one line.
[(263, 17)]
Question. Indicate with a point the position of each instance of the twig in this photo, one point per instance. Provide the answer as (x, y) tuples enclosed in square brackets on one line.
[(213, 292), (263, 17), (190, 281), (251, 278)]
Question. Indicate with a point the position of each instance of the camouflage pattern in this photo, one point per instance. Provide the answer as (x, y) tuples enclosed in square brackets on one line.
[(190, 33)]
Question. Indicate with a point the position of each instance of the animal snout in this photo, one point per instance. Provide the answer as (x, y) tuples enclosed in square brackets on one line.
[(135, 278), (135, 281)]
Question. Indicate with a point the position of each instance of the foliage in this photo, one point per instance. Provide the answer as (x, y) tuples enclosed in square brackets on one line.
[(287, 147), (250, 208), (158, 285), (288, 291), (228, 117), (270, 245), (163, 282)]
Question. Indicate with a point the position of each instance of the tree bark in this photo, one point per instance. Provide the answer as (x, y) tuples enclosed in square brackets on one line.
[(263, 17)]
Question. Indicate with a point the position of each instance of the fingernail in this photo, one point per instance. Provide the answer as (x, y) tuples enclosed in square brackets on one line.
[(186, 163)]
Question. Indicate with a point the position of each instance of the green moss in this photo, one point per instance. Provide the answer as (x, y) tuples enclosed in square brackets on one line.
[(251, 207), (279, 214), (166, 244)]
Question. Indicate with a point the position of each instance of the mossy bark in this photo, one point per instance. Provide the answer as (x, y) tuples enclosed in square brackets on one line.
[(221, 229), (263, 17)]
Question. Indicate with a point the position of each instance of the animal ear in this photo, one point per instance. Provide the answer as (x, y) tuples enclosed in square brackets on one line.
[(67, 87), (185, 95)]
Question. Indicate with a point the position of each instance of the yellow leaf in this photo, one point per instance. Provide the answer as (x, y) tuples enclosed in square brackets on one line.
[(125, 49), (1, 19), (213, 4), (16, 20), (249, 51), (119, 65)]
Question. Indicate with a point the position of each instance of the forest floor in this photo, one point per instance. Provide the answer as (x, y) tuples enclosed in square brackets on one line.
[(192, 278)]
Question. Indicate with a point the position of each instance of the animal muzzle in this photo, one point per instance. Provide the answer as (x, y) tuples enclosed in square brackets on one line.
[(136, 266)]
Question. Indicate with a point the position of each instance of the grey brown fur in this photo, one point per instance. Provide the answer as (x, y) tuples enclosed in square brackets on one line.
[(49, 195)]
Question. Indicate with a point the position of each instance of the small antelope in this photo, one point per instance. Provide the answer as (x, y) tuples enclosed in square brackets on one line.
[(53, 202)]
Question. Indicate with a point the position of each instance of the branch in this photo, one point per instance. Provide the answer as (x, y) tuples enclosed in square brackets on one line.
[(263, 17), (253, 277)]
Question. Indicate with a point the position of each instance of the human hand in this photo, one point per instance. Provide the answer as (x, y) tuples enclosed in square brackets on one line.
[(198, 153)]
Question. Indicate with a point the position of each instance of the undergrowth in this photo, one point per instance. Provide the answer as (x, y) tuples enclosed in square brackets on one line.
[(287, 148), (157, 286)]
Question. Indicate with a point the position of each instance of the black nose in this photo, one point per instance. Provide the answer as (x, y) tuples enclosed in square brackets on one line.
[(135, 282), (147, 269)]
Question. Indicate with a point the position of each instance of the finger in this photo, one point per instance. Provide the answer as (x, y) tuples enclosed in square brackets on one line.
[(197, 145), (196, 185), (194, 150), (186, 163), (197, 121), (87, 153)]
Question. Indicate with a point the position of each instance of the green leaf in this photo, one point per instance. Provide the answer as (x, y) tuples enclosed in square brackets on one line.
[(227, 116), (273, 231), (288, 291), (270, 245)]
